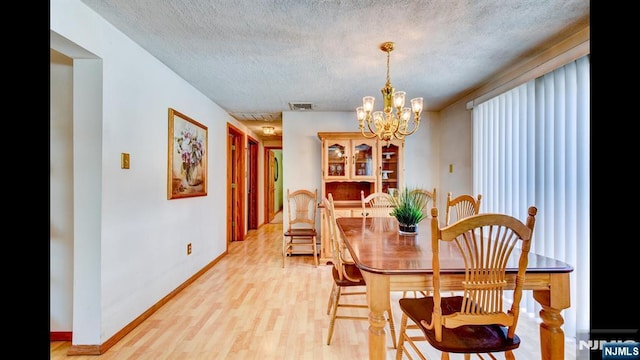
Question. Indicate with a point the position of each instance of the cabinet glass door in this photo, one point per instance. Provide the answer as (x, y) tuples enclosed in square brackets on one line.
[(389, 167), (363, 164), (336, 160)]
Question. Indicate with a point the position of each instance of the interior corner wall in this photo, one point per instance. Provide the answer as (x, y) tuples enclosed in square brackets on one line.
[(422, 156), (87, 200), (456, 152), (61, 193)]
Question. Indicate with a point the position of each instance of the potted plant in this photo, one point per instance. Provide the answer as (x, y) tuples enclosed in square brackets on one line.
[(408, 209)]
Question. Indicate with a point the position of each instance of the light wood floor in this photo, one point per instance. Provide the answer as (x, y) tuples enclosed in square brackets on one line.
[(248, 307)]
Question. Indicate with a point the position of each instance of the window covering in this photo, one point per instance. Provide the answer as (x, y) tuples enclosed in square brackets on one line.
[(531, 146)]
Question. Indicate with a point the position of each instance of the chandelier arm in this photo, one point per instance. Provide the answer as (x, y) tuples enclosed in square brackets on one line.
[(416, 124), (367, 136), (406, 133), (373, 133), (369, 126)]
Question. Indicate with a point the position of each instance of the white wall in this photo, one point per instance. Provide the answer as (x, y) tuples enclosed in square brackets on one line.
[(129, 241), (87, 198), (61, 193)]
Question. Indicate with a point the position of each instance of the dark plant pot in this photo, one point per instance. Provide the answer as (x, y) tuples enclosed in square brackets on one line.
[(408, 229)]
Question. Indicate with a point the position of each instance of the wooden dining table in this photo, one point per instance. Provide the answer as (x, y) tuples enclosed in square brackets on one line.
[(390, 261)]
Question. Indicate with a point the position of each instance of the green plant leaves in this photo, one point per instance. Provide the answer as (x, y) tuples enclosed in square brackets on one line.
[(408, 206)]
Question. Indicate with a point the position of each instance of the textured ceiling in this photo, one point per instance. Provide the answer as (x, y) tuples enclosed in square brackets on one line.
[(254, 58)]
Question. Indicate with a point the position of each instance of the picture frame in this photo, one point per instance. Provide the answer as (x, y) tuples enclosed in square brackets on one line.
[(187, 157)]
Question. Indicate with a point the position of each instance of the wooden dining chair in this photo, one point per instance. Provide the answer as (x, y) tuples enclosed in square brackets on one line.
[(463, 205), (347, 279), (376, 204), (301, 231), (483, 319)]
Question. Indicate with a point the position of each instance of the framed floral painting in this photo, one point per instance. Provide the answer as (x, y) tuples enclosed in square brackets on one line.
[(187, 157)]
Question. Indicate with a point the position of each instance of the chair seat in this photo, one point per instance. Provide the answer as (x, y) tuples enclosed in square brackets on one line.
[(300, 232), (464, 339), (352, 272)]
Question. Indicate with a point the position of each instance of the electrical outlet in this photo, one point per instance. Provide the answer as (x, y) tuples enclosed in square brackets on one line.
[(189, 249)]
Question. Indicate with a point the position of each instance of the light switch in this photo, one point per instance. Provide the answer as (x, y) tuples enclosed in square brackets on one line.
[(124, 161), (451, 168)]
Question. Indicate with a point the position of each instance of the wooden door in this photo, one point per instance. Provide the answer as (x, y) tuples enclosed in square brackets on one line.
[(252, 208), (235, 184)]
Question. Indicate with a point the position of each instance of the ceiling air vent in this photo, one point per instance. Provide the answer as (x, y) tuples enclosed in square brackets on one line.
[(301, 106)]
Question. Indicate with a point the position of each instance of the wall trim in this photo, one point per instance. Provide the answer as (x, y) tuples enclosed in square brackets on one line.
[(101, 349), (60, 336)]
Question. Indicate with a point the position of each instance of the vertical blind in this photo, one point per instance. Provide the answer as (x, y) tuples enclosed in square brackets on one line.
[(531, 147)]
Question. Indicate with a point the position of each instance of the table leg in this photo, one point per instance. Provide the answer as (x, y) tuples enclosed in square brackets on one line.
[(378, 298), (553, 301)]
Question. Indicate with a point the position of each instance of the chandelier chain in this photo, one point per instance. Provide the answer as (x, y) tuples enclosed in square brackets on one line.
[(388, 76)]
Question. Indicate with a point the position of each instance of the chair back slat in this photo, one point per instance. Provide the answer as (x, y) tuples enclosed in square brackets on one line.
[(302, 208), (430, 197), (377, 204), (461, 207)]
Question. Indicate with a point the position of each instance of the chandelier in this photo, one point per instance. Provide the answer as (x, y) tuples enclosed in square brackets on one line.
[(386, 124)]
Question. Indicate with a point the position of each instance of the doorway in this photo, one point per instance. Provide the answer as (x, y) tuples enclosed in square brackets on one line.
[(252, 211), (273, 182), (235, 185)]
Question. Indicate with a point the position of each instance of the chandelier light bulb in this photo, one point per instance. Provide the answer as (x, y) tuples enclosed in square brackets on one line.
[(367, 103), (398, 99)]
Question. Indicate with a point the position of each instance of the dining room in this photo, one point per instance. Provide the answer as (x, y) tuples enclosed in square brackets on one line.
[(114, 217)]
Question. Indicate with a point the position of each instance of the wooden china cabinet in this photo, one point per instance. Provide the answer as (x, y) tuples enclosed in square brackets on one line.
[(352, 163)]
